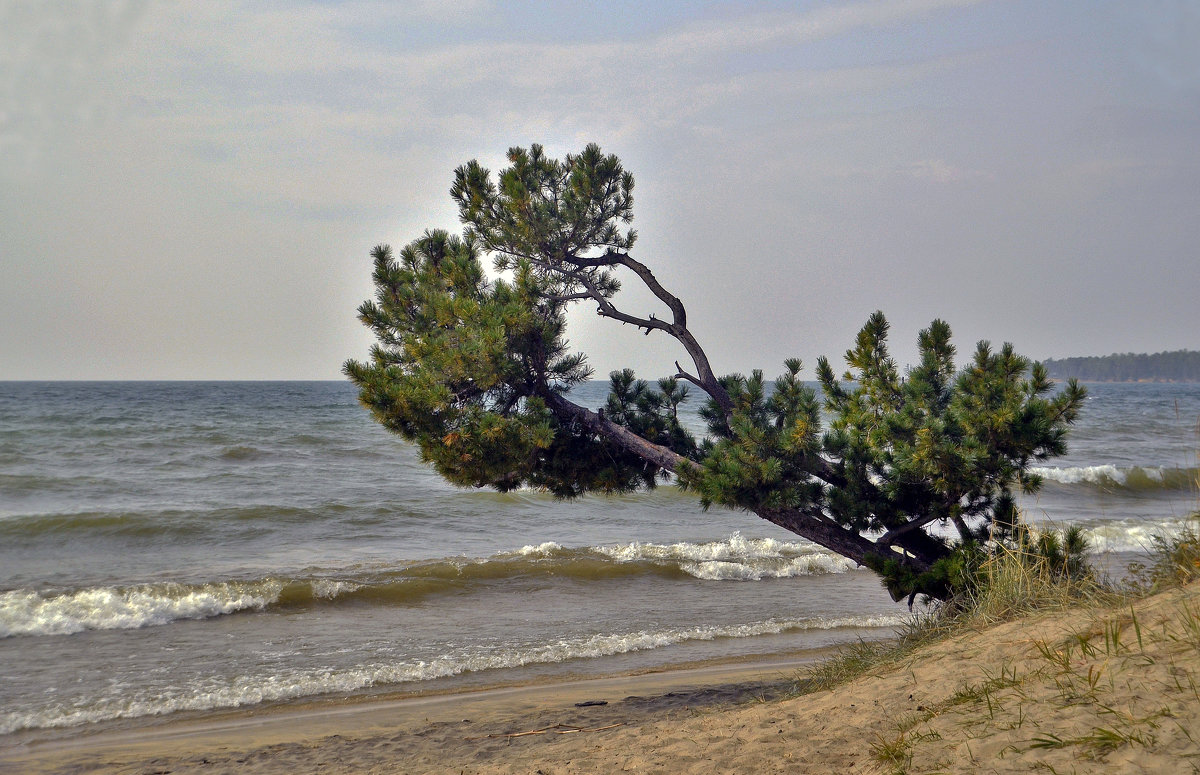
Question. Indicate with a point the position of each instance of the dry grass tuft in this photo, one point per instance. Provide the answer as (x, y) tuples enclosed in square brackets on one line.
[(1174, 560)]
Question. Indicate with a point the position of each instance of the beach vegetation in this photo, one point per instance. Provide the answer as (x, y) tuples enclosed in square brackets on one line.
[(1098, 670), (1174, 559), (913, 474), (1018, 579)]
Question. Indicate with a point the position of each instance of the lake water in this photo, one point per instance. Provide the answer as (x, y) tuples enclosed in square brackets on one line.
[(175, 547)]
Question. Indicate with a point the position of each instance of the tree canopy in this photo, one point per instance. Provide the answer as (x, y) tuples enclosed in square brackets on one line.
[(477, 372)]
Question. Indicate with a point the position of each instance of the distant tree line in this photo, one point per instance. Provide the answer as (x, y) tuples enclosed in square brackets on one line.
[(1174, 366)]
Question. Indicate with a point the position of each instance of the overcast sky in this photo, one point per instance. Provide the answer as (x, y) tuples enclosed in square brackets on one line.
[(190, 190)]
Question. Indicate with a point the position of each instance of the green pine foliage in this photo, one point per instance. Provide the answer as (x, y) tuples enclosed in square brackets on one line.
[(651, 413), (477, 373), (764, 455), (458, 368), (939, 447)]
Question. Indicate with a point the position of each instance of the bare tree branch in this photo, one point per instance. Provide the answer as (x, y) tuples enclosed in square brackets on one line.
[(890, 537), (679, 372), (705, 379), (581, 296), (660, 456)]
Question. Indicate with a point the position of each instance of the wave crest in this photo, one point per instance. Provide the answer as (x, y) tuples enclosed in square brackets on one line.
[(28, 612), (736, 558), (252, 690), (1133, 478), (25, 612)]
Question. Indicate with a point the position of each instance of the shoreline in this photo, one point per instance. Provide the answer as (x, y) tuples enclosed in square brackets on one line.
[(635, 695), (1092, 689)]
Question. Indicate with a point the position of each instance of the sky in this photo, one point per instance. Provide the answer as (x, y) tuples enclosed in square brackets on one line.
[(192, 190)]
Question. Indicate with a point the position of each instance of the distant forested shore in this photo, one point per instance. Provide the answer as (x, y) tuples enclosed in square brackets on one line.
[(1174, 366)]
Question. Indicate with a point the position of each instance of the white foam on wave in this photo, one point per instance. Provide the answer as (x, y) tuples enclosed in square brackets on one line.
[(736, 558), (215, 692), (768, 568), (328, 589), (1082, 474), (540, 550), (1132, 535), (734, 548), (1133, 477), (25, 612)]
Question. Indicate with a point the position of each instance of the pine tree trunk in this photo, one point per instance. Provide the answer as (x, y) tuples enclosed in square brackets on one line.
[(920, 549)]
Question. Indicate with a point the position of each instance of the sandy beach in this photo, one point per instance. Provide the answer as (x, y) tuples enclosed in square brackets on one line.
[(1093, 690)]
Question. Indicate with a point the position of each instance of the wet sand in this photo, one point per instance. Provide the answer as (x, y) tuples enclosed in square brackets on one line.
[(425, 733)]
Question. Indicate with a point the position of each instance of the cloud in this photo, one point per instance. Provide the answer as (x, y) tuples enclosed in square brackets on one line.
[(328, 39), (264, 100), (706, 39), (240, 154), (940, 171), (267, 97), (53, 58)]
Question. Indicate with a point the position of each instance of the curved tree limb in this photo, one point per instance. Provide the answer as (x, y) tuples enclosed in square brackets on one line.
[(891, 536), (596, 422), (705, 379), (812, 525)]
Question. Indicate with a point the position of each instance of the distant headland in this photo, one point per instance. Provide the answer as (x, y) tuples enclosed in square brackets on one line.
[(1173, 366)]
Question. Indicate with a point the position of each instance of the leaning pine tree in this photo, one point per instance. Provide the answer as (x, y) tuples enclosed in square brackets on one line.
[(477, 372)]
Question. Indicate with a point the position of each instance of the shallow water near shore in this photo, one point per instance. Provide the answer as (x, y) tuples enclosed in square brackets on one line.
[(170, 547)]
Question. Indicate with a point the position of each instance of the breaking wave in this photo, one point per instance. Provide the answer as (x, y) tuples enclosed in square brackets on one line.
[(1131, 535), (737, 558), (252, 690), (30, 612), (1133, 478), (25, 612)]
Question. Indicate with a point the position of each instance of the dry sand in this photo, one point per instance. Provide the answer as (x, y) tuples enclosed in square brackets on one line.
[(1093, 691)]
